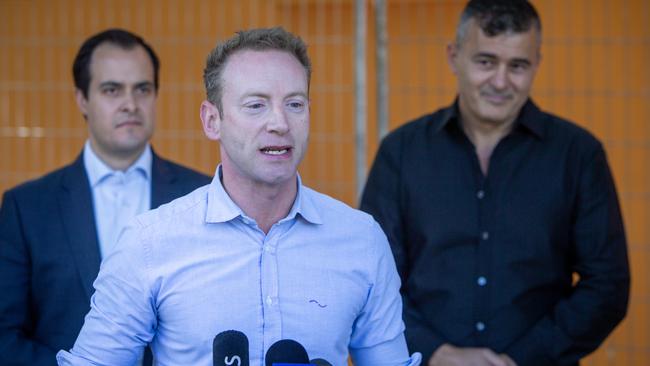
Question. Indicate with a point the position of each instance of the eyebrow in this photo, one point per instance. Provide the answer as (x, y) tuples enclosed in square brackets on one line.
[(121, 85), (111, 83), (493, 56), (267, 96), (297, 94), (521, 60)]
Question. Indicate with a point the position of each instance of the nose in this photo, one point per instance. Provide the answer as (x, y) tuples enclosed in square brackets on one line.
[(278, 122), (128, 103), (499, 79)]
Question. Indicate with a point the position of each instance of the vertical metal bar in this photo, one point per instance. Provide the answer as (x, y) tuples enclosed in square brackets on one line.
[(360, 92), (381, 26)]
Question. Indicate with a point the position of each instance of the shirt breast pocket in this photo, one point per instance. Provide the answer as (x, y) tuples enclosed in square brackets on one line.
[(332, 300)]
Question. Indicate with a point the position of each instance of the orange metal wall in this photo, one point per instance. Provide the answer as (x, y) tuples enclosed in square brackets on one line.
[(594, 71)]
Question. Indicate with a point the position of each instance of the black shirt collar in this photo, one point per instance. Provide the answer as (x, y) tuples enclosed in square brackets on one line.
[(530, 119)]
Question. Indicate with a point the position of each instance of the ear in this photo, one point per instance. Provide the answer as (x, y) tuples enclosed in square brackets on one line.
[(82, 102), (452, 55), (211, 120)]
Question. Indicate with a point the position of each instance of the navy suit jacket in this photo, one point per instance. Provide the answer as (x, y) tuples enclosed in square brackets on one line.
[(49, 257)]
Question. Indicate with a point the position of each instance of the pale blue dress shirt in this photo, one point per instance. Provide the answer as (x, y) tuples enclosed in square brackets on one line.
[(323, 276), (118, 196)]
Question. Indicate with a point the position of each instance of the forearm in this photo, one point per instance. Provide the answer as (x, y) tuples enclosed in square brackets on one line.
[(122, 320), (577, 325)]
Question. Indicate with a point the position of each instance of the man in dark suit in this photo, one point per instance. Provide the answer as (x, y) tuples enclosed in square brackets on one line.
[(54, 231)]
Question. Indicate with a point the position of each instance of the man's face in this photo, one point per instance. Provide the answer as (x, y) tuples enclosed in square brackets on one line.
[(495, 74), (120, 106), (264, 125)]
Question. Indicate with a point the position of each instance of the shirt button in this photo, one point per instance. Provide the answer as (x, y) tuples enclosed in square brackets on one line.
[(480, 194), (269, 301), (481, 281), (485, 235), (480, 326)]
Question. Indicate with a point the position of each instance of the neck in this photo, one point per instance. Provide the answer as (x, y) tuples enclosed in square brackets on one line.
[(485, 136), (117, 161), (266, 204)]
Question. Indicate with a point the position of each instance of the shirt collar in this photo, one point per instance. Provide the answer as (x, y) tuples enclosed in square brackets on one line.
[(97, 170), (530, 118), (304, 205), (221, 208)]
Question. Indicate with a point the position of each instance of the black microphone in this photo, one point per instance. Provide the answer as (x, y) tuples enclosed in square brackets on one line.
[(286, 352), (319, 362), (230, 348)]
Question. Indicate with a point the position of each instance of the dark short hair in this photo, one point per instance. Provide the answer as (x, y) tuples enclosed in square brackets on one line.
[(496, 17), (260, 39), (118, 37)]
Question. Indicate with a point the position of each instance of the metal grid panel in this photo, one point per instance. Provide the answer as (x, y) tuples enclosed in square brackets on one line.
[(593, 72), (41, 128)]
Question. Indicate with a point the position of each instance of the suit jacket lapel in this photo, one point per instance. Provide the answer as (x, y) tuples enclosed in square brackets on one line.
[(78, 218), (162, 182)]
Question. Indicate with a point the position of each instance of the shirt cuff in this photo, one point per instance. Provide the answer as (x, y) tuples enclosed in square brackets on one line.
[(64, 358), (389, 353)]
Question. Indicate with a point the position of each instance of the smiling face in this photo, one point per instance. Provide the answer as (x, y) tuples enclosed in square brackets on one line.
[(120, 106), (495, 74), (264, 125)]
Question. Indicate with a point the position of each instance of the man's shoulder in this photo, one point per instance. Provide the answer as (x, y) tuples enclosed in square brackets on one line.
[(417, 131), (335, 211), (355, 234), (422, 123), (564, 131), (180, 171), (45, 184), (185, 207)]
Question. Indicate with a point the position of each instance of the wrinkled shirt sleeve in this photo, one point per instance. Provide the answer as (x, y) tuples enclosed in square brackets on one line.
[(579, 323), (122, 319), (378, 333)]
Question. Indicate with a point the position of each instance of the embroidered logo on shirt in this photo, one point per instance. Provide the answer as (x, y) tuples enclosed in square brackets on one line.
[(317, 303)]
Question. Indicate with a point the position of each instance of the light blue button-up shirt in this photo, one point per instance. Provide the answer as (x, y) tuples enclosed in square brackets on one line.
[(323, 276), (118, 196)]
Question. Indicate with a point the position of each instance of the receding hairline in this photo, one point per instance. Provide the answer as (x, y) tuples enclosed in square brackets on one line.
[(116, 46), (239, 53), (497, 18), (461, 37)]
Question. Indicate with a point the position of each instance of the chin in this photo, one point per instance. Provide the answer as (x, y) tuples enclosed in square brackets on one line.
[(278, 179), (495, 116), (132, 148)]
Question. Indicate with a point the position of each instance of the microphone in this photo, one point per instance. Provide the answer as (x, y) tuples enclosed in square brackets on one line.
[(286, 352), (230, 348), (319, 362)]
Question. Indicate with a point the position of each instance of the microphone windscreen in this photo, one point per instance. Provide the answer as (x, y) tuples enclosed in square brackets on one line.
[(286, 351), (319, 362), (230, 348)]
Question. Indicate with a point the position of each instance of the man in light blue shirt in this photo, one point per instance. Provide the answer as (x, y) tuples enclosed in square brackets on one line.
[(255, 251)]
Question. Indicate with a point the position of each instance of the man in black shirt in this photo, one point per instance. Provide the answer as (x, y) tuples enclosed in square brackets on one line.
[(503, 219)]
